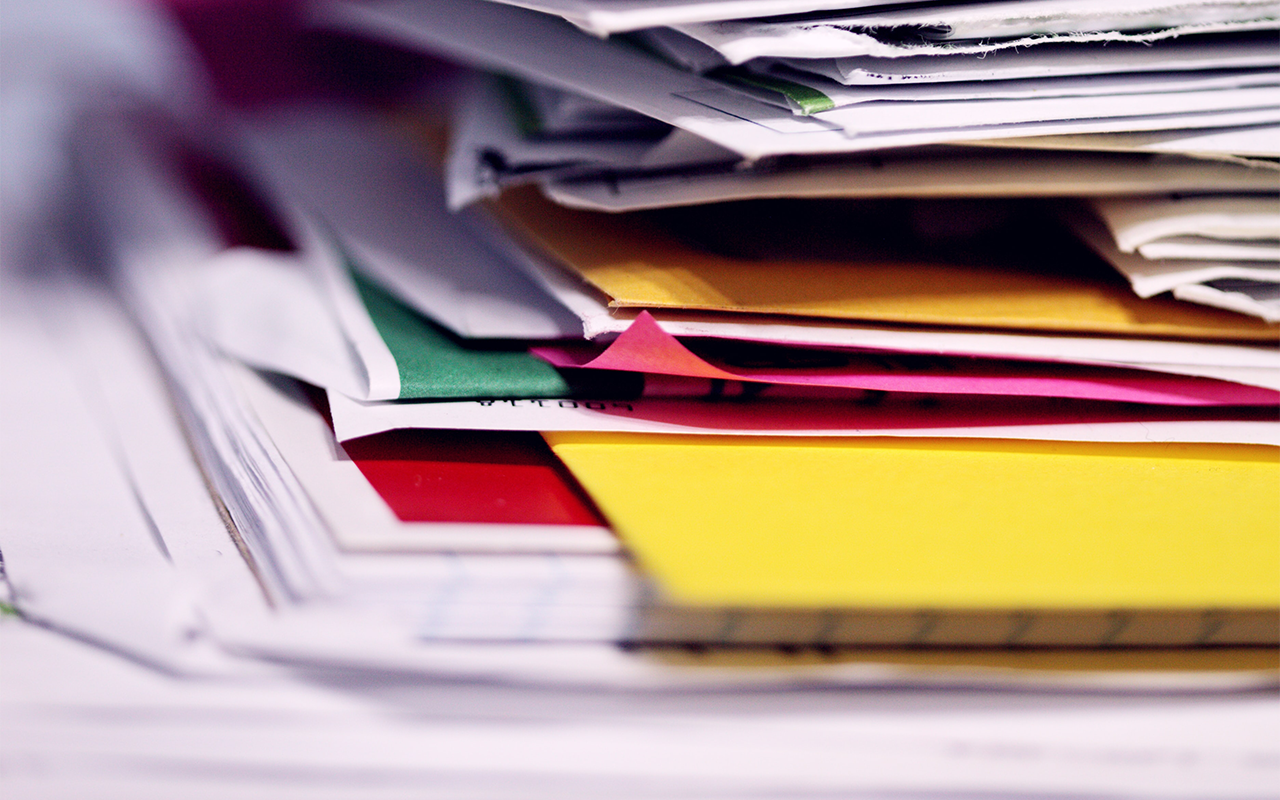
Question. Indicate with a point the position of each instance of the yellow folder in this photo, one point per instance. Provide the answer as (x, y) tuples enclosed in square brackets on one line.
[(640, 264), (940, 523)]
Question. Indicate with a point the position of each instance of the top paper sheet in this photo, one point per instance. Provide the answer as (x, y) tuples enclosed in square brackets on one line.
[(603, 17)]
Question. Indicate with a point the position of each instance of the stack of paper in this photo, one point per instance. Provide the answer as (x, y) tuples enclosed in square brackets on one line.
[(1220, 250), (918, 419), (900, 410), (669, 398)]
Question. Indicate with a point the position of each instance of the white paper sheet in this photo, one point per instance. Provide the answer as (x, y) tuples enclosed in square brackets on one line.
[(389, 213), (1193, 281), (1256, 365), (158, 243), (1053, 61), (478, 722), (875, 126), (1021, 18), (1238, 145), (266, 310), (1134, 222), (298, 313), (534, 47), (486, 132), (1130, 111), (962, 173), (1258, 299), (1147, 277), (873, 34), (108, 534), (1151, 277), (1205, 249), (1196, 239)]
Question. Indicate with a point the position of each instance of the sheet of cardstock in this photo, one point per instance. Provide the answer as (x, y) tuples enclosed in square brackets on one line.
[(1048, 61), (940, 523), (906, 33)]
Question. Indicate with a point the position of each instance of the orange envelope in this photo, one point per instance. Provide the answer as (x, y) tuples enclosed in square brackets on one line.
[(639, 263)]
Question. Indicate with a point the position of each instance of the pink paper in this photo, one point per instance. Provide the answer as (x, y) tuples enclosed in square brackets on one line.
[(645, 347)]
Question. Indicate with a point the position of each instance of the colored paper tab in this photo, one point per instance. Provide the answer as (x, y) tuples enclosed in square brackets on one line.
[(435, 365), (472, 476)]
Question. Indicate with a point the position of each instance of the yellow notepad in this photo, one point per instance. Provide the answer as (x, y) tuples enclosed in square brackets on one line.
[(639, 264), (940, 523)]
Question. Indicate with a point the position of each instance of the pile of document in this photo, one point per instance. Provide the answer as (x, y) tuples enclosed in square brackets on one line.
[(716, 354), (905, 410), (895, 394)]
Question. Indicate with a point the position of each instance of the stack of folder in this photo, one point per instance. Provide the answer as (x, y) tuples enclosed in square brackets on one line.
[(698, 324)]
